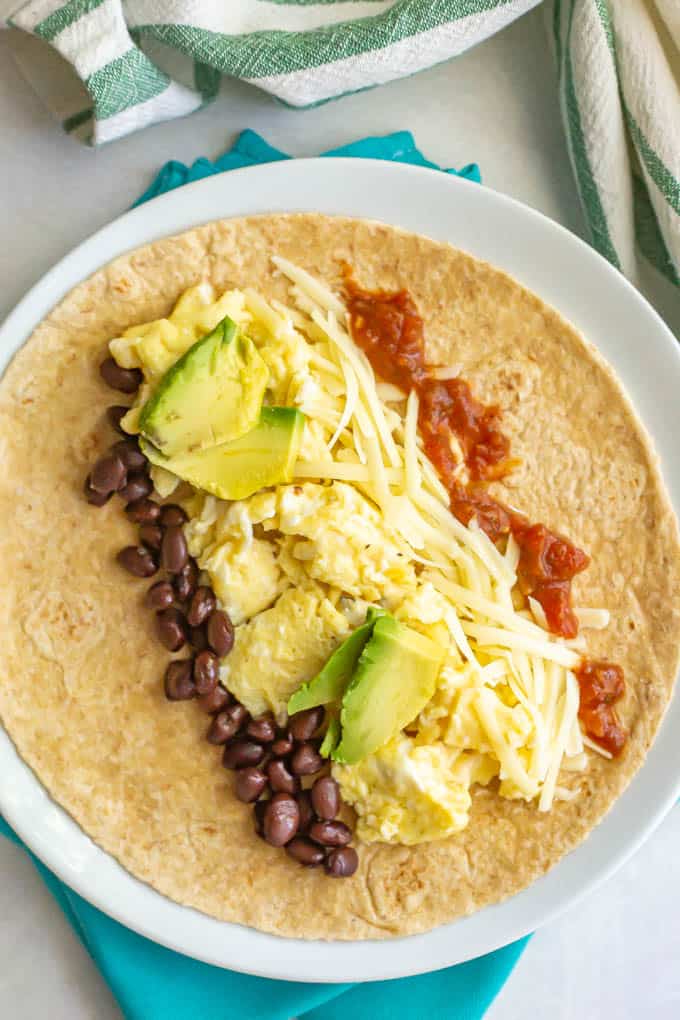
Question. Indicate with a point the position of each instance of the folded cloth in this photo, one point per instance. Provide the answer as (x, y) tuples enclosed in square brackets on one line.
[(144, 61), (152, 983), (619, 83)]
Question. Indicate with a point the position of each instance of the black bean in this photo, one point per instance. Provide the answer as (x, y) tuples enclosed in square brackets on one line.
[(179, 685), (280, 778), (305, 852), (215, 701), (114, 415), (220, 631), (249, 784), (258, 811), (127, 380), (342, 863), (137, 560), (303, 725), (151, 536), (130, 454), (206, 672), (137, 487), (326, 798), (239, 713), (262, 729), (305, 760), (306, 811), (108, 474), (185, 583), (241, 753), (172, 515), (283, 745), (202, 605), (160, 595), (171, 629), (142, 511), (198, 638), (93, 497), (281, 819), (174, 553), (330, 833), (227, 724)]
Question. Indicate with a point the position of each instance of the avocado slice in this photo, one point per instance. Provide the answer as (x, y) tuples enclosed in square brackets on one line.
[(264, 456), (331, 738), (394, 679), (329, 685), (212, 395)]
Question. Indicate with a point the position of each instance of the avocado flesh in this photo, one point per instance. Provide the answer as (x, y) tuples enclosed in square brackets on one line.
[(212, 395), (329, 685), (265, 455), (394, 679), (331, 739)]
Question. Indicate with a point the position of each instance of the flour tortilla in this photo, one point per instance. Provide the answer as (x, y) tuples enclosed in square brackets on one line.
[(80, 690)]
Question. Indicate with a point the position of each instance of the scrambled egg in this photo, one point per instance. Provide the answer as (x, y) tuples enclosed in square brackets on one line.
[(243, 569), (467, 716), (156, 346), (409, 793), (282, 647), (335, 535), (286, 354), (426, 610), (326, 533)]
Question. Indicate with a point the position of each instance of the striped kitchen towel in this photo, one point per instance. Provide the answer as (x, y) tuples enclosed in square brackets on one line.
[(144, 61), (138, 62), (619, 84)]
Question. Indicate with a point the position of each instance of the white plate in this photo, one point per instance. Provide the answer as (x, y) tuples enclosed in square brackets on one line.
[(598, 300)]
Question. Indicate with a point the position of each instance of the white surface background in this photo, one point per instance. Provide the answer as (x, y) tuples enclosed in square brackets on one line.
[(615, 956)]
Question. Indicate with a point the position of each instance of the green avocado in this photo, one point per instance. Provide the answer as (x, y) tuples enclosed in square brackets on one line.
[(329, 685), (394, 679), (331, 739), (212, 395), (264, 456)]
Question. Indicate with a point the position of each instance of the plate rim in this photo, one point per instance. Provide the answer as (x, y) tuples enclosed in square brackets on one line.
[(367, 960)]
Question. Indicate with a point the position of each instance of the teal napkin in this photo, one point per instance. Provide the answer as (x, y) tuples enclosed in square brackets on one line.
[(251, 149), (153, 983)]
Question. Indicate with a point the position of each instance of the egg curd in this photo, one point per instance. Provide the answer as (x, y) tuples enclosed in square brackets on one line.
[(365, 521)]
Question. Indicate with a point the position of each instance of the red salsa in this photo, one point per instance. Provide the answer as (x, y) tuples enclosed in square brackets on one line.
[(387, 326), (602, 685)]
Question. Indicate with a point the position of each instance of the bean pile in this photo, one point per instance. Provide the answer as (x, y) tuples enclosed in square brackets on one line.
[(275, 767)]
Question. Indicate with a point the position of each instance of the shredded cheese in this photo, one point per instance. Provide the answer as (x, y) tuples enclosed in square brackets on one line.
[(512, 553), (389, 393), (342, 340), (549, 650), (567, 709), (538, 612), (413, 469), (309, 285), (485, 606), (593, 619), (444, 372), (350, 402), (343, 471), (592, 746)]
